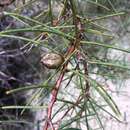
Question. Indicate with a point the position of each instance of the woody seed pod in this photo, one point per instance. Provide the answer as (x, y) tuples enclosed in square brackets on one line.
[(52, 60)]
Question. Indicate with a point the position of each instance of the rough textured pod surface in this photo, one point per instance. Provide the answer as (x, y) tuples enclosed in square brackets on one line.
[(52, 60)]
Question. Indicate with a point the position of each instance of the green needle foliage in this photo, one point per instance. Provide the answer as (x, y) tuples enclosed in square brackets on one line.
[(73, 24)]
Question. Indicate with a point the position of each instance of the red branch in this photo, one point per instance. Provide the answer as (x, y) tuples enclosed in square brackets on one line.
[(74, 44), (53, 100), (54, 92), (72, 107)]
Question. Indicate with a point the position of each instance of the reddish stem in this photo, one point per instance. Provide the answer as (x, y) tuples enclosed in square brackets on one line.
[(55, 92), (74, 44)]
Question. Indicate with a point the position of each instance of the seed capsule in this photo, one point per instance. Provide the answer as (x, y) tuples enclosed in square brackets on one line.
[(52, 60)]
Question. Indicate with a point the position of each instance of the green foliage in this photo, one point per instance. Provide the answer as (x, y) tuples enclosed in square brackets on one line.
[(61, 36)]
